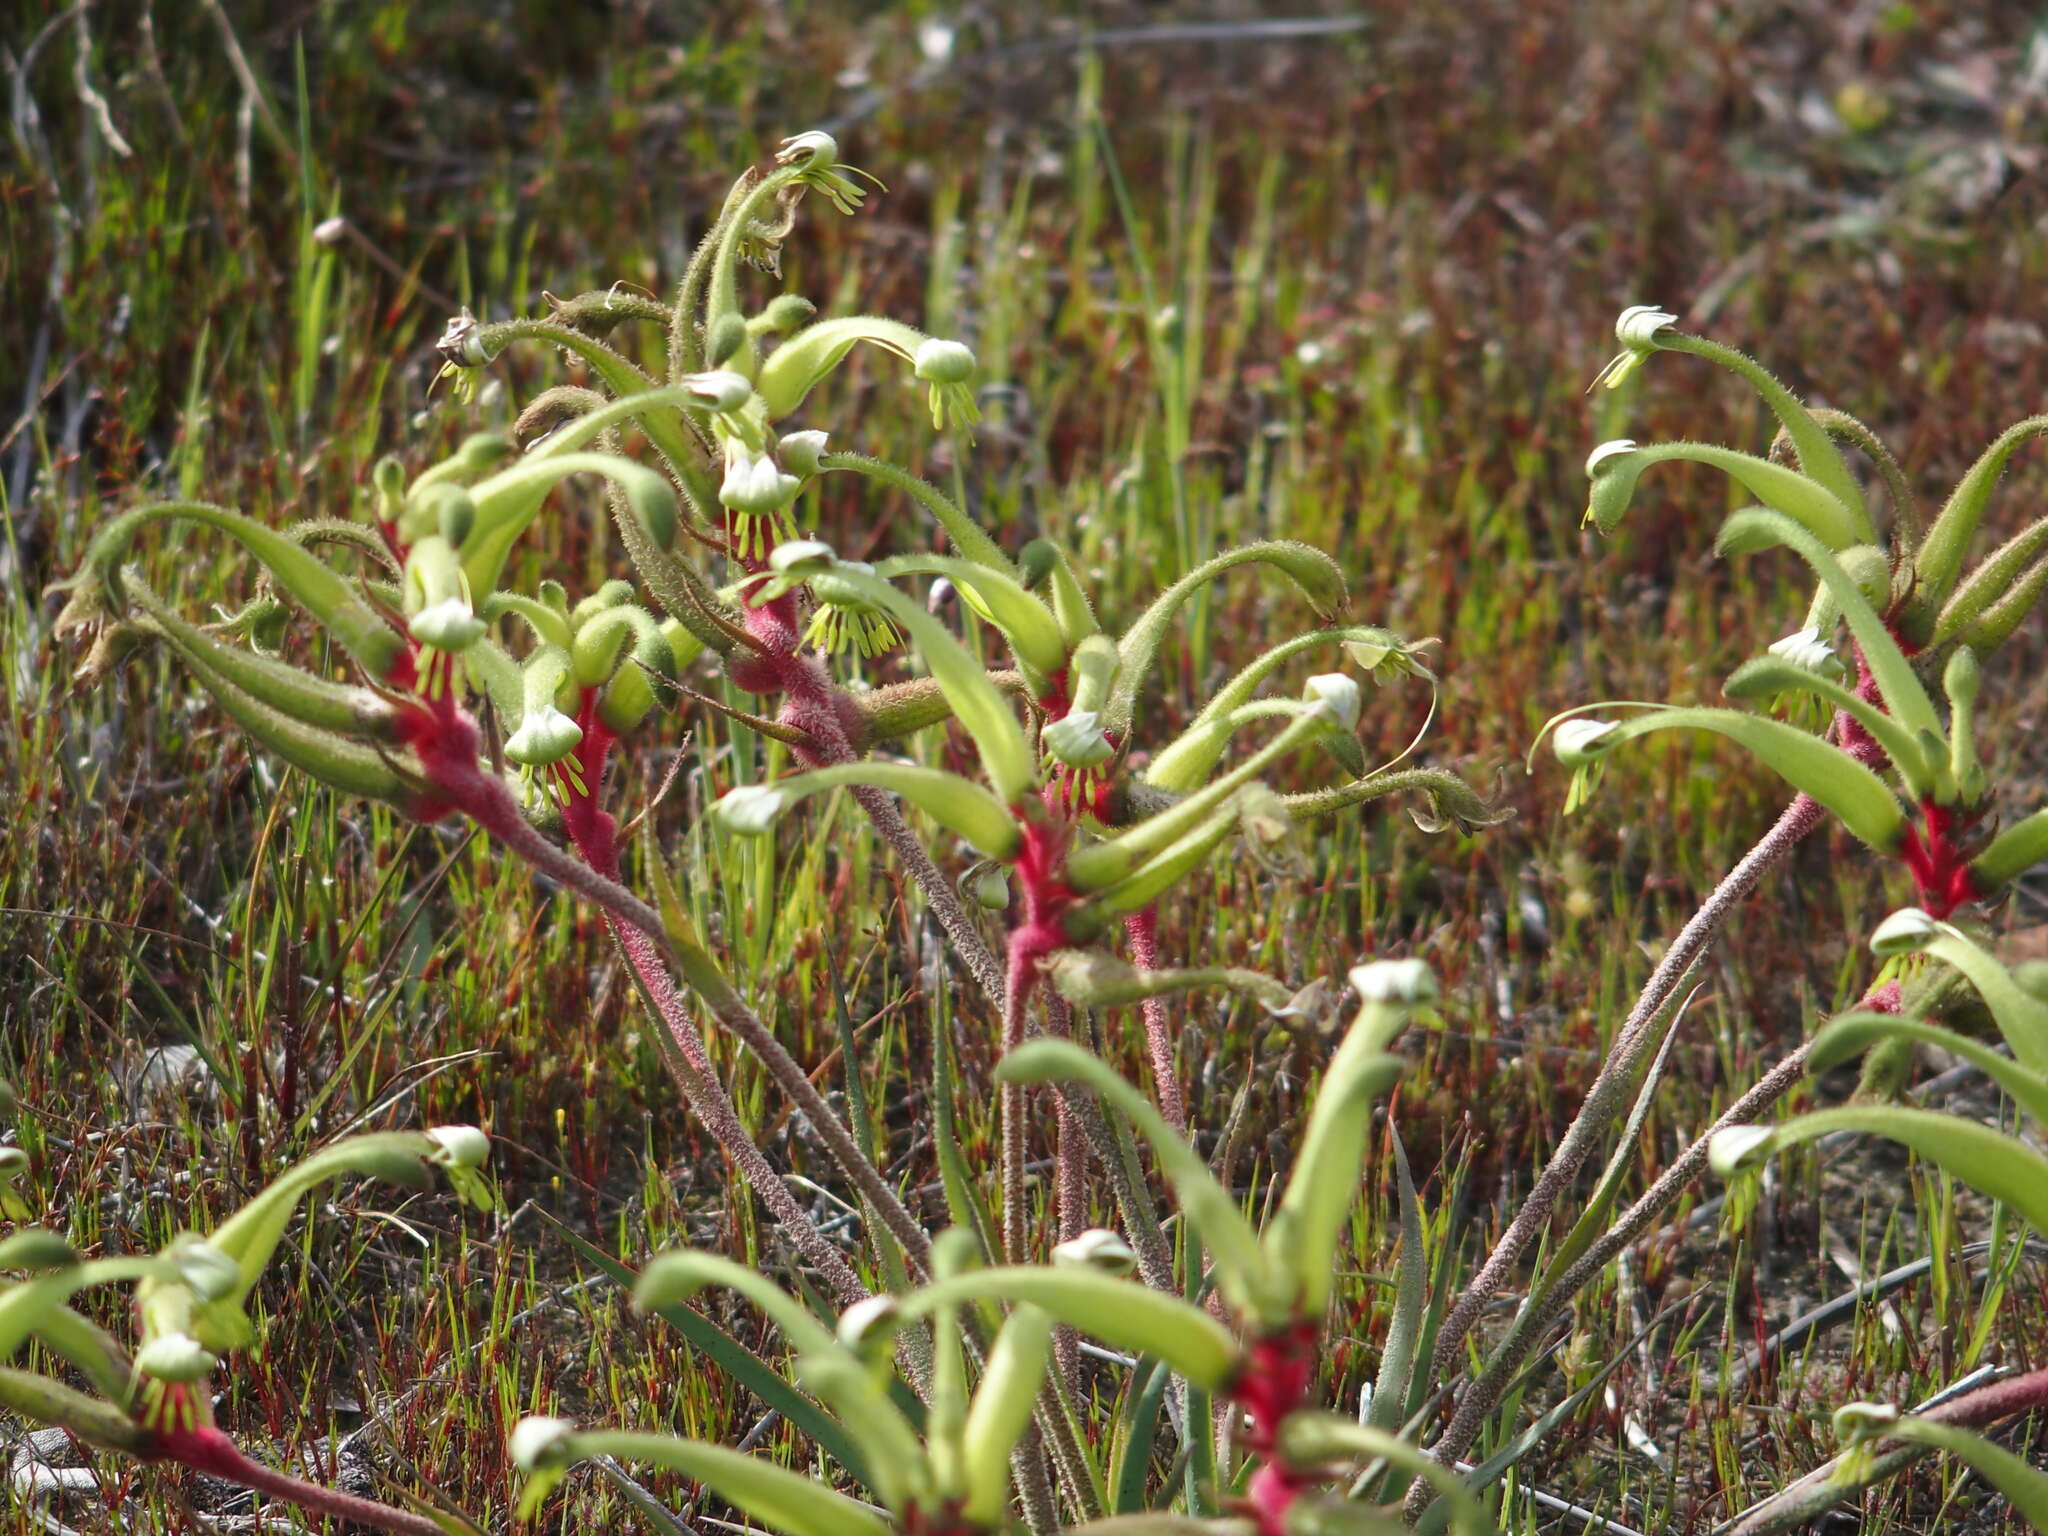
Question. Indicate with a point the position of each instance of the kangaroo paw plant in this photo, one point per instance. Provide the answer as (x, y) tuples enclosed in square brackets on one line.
[(1028, 1368)]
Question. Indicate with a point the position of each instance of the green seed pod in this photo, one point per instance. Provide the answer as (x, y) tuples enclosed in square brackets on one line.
[(389, 480)]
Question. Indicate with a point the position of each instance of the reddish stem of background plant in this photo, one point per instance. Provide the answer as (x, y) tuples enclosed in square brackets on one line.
[(205, 1449)]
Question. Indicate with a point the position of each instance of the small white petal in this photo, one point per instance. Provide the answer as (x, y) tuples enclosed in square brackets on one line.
[(720, 388), (1336, 691), (751, 809), (1731, 1151), (1618, 448), (1637, 326), (943, 362), (534, 1442), (460, 1146), (1907, 931), (787, 557), (1577, 742), (1393, 981)]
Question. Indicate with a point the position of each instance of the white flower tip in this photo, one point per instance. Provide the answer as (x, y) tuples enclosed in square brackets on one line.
[(801, 451), (1805, 649), (174, 1357), (1737, 1149), (816, 148), (1338, 693), (720, 388), (459, 1146), (1393, 981), (939, 361), (868, 1323), (448, 625), (1077, 740), (1619, 448), (1577, 742), (1637, 326), (545, 736), (538, 1441), (1907, 931), (800, 552), (751, 809), (1097, 1248)]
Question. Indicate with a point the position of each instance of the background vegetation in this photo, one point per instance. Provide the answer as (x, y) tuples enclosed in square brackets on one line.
[(1395, 245)]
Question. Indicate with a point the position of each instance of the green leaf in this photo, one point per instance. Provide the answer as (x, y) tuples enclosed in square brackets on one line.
[(1404, 1328), (672, 1278)]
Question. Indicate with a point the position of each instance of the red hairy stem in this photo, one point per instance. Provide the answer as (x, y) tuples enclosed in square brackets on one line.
[(1070, 1162), (206, 1449), (1142, 929), (1611, 1086), (1484, 1395)]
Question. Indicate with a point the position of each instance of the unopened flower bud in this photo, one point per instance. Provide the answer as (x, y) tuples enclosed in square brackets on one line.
[(1393, 981), (786, 312), (722, 338), (1337, 693), (991, 890), (720, 388), (801, 451), (1097, 1248), (538, 1441), (1577, 742), (751, 810)]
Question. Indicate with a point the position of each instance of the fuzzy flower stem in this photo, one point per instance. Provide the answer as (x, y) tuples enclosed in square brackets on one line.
[(208, 1450), (1610, 1090), (1142, 929), (1016, 997), (1535, 1321)]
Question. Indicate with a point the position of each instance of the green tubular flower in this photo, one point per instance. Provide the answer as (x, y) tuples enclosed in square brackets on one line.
[(1644, 328), (797, 366), (437, 603), (1095, 868), (322, 592), (507, 503), (544, 735), (1000, 1412), (757, 495), (1857, 796), (948, 367), (1937, 564), (1043, 560), (997, 599), (980, 708), (1615, 467), (1319, 577), (959, 805)]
